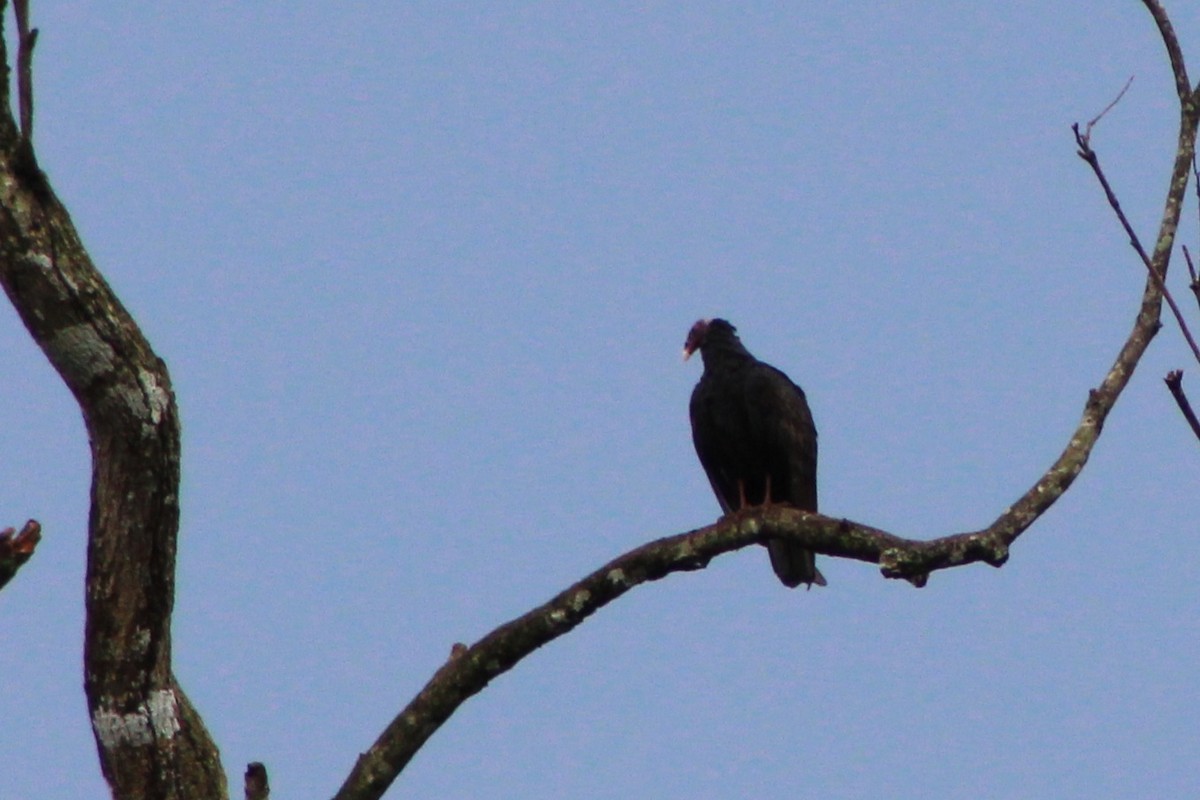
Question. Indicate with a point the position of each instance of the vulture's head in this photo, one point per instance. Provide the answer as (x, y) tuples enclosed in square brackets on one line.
[(699, 335)]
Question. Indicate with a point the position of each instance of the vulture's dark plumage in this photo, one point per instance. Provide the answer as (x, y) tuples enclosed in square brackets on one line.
[(755, 437)]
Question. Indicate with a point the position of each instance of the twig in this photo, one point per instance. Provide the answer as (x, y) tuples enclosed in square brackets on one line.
[(26, 39), (1087, 132), (1194, 283), (1089, 155), (1196, 181), (1174, 381)]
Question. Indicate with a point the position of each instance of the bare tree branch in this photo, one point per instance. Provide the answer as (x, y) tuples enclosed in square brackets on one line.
[(26, 39), (468, 672), (15, 550), (1174, 381), (151, 742), (1089, 155), (1183, 87), (1193, 280), (1087, 133)]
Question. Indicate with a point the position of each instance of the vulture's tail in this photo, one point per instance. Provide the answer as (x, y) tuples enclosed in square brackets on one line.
[(794, 565)]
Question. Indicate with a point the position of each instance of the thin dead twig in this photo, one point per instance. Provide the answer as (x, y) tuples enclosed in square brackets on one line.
[(1174, 381), (26, 39), (1087, 131), (1089, 155)]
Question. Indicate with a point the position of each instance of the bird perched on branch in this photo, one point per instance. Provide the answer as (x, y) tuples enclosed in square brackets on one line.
[(755, 438)]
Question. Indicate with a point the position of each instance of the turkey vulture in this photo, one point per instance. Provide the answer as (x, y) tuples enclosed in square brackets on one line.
[(755, 437)]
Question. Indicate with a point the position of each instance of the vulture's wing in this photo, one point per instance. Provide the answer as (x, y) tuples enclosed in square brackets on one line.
[(782, 427), (705, 436)]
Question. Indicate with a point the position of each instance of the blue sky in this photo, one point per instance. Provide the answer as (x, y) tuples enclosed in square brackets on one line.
[(422, 273)]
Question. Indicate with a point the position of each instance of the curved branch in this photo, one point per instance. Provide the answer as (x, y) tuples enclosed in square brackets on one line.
[(1166, 30), (151, 742), (469, 670)]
